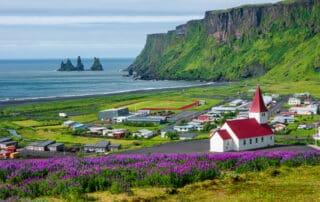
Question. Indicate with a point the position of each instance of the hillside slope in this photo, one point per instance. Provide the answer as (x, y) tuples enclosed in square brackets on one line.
[(279, 41)]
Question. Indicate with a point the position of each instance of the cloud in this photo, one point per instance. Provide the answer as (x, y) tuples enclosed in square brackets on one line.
[(65, 20)]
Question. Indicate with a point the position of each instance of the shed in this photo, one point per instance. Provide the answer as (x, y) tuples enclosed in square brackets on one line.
[(5, 139), (145, 133), (40, 146), (4, 145), (114, 147), (99, 147), (56, 147)]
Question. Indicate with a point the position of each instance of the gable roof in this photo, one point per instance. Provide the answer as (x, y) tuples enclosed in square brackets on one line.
[(248, 128), (224, 134), (258, 103)]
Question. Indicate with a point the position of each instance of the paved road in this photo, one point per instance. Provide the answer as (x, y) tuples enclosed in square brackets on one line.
[(202, 146)]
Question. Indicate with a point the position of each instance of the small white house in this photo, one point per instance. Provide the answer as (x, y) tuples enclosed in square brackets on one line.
[(68, 123), (294, 101), (187, 136), (145, 133), (96, 130), (185, 128), (63, 115)]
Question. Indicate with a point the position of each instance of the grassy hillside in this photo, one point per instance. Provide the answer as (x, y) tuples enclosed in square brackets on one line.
[(279, 41)]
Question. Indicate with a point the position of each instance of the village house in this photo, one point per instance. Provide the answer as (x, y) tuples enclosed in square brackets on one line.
[(96, 130), (114, 147), (145, 133), (68, 123), (99, 147), (306, 110), (185, 128), (56, 147), (165, 131), (63, 115), (110, 114), (4, 145), (245, 134), (294, 101), (283, 119), (116, 133), (40, 146)]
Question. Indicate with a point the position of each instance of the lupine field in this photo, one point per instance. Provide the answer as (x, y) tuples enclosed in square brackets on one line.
[(118, 173)]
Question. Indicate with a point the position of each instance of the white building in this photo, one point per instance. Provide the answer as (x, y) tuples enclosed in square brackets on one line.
[(307, 110), (145, 133), (245, 134), (294, 101), (185, 128), (63, 115)]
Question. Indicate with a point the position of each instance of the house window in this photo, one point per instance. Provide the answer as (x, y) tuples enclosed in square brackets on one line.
[(256, 140), (270, 137), (261, 139), (250, 141), (244, 142)]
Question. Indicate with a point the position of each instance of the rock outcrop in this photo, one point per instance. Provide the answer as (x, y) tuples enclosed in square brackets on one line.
[(96, 66), (68, 66)]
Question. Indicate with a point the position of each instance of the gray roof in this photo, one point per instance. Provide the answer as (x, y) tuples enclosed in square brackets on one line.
[(5, 139), (190, 135), (102, 144), (115, 145), (8, 142), (42, 143), (56, 144)]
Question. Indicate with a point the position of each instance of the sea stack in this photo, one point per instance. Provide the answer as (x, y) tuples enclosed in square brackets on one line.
[(97, 66), (68, 66), (80, 66)]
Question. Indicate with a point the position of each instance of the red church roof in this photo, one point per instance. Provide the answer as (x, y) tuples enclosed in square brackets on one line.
[(258, 103), (224, 134), (248, 128)]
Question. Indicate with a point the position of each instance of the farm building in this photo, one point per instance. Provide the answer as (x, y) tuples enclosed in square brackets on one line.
[(68, 123), (40, 146), (307, 110), (5, 139), (245, 134), (96, 130), (185, 128), (187, 136), (79, 126), (4, 145), (56, 147), (145, 133), (99, 147), (109, 114), (114, 147), (294, 101), (150, 119), (63, 115), (114, 132), (283, 119)]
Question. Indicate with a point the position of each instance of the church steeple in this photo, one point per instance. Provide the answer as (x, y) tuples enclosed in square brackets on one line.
[(258, 109)]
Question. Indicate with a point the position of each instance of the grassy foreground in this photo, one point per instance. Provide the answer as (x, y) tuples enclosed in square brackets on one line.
[(282, 184)]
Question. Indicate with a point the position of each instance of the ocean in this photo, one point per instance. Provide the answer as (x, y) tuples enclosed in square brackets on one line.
[(32, 79)]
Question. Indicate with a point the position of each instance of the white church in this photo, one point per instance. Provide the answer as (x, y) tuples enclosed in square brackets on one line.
[(245, 134)]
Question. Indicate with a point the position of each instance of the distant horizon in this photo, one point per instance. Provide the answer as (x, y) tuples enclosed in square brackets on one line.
[(37, 29)]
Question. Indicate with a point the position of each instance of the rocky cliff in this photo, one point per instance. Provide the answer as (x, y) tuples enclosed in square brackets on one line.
[(277, 41), (96, 66)]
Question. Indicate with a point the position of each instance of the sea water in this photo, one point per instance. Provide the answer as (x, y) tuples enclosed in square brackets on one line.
[(31, 79)]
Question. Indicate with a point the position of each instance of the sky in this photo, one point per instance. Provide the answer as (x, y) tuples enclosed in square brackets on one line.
[(93, 28)]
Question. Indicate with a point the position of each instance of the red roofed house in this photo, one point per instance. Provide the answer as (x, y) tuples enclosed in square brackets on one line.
[(245, 134)]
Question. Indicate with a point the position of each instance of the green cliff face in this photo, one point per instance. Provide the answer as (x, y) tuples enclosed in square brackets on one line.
[(276, 41)]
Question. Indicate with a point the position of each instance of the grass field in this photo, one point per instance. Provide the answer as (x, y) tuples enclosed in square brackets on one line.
[(282, 184)]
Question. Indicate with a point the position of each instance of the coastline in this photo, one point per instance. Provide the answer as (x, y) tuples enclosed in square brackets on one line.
[(18, 101)]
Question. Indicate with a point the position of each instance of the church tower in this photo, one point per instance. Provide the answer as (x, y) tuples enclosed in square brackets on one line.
[(258, 109)]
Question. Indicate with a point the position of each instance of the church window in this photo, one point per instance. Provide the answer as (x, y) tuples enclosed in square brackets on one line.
[(256, 140), (244, 142), (250, 141), (261, 139)]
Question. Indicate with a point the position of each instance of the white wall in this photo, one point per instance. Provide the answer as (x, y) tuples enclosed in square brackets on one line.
[(263, 118), (267, 141), (216, 144)]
